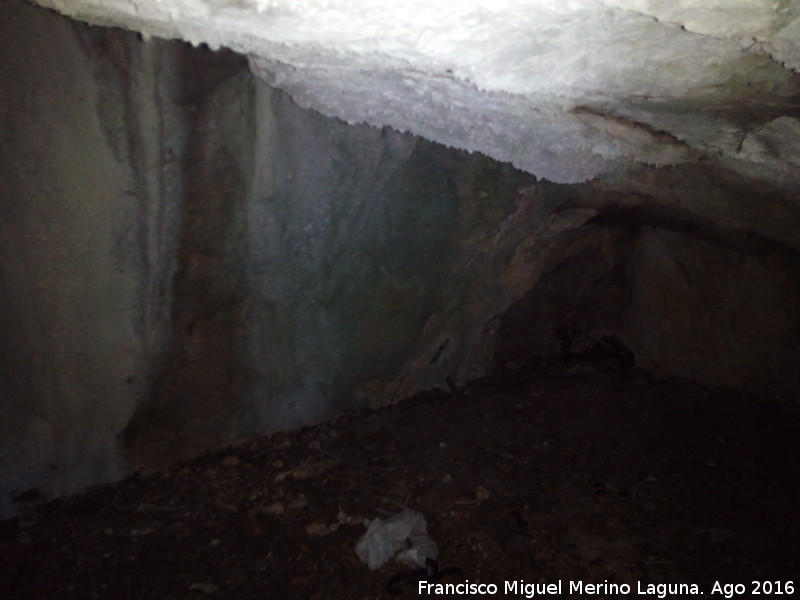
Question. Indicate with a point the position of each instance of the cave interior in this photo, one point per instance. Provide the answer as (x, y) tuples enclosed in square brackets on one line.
[(235, 328)]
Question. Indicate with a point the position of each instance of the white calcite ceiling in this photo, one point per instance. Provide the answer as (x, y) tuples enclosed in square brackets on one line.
[(565, 89)]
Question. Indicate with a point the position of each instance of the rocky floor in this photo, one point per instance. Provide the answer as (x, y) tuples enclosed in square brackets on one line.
[(586, 479)]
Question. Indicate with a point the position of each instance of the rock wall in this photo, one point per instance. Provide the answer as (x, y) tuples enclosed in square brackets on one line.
[(86, 212), (188, 258), (721, 315), (673, 293)]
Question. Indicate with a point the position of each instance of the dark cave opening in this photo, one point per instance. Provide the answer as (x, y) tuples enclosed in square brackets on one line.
[(630, 291)]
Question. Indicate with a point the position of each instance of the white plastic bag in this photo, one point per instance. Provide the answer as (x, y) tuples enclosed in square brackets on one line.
[(403, 534), (375, 546), (421, 548)]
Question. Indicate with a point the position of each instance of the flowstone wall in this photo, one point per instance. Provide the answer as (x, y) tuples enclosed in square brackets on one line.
[(84, 246), (187, 257)]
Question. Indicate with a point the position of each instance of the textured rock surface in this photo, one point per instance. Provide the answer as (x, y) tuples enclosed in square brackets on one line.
[(563, 89), (188, 257), (214, 261), (680, 298), (84, 246), (722, 315)]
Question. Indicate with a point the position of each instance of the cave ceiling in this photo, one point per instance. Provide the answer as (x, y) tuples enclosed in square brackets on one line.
[(567, 90)]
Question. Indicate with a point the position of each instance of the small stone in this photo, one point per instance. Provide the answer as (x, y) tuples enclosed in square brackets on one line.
[(278, 464), (230, 461), (482, 494), (225, 506), (209, 589), (442, 445), (317, 529), (108, 531), (216, 542), (314, 445), (447, 478), (276, 508), (299, 502)]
